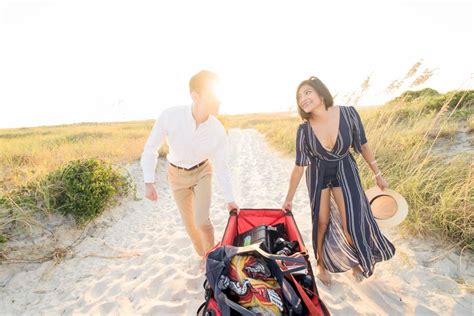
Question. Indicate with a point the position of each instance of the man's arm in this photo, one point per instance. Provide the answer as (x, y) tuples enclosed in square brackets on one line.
[(222, 172), (149, 156)]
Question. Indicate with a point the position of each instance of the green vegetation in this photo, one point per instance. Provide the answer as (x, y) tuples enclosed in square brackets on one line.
[(415, 138), (422, 141), (81, 189), (31, 153)]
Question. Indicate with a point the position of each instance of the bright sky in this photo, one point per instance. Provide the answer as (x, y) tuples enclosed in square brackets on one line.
[(76, 61)]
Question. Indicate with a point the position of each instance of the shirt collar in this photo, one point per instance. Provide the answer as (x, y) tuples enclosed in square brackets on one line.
[(190, 118)]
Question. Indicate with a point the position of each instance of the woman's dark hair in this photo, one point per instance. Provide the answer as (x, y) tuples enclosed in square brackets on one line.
[(320, 89)]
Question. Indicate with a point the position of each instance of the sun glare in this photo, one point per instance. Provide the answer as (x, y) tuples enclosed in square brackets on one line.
[(218, 91)]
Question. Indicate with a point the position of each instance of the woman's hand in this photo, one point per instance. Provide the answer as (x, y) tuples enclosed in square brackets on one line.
[(287, 206), (381, 183)]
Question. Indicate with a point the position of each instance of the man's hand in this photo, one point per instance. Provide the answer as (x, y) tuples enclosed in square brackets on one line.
[(232, 206), (150, 192)]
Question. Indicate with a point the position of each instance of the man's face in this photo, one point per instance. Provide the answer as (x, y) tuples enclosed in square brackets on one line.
[(211, 99)]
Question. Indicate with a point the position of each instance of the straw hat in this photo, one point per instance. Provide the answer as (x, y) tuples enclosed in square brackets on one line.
[(388, 206)]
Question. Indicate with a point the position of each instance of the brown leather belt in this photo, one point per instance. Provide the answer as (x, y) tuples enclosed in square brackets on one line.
[(192, 168)]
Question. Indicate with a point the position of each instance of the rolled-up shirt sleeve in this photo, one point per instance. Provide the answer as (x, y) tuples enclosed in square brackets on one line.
[(222, 171), (149, 156)]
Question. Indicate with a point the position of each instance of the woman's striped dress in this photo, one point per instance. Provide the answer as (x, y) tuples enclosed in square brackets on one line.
[(370, 246)]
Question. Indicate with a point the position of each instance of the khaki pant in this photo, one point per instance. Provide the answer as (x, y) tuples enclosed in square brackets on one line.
[(192, 193)]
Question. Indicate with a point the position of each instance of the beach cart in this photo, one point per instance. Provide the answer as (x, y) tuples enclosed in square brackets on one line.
[(260, 267)]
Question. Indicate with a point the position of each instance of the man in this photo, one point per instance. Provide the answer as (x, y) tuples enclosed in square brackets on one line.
[(194, 136)]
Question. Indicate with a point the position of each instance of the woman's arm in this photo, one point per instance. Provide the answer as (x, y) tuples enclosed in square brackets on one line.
[(295, 179), (370, 159)]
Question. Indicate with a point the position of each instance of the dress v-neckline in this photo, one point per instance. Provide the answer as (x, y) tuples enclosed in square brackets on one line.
[(337, 136)]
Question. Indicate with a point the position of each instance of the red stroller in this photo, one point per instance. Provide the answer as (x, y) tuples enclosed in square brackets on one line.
[(294, 289)]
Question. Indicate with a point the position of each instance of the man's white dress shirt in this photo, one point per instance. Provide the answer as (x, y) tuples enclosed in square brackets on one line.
[(188, 145)]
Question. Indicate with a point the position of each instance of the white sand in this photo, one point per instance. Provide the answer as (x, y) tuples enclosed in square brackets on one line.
[(160, 275)]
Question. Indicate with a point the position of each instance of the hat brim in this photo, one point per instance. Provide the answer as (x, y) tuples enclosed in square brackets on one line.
[(402, 206)]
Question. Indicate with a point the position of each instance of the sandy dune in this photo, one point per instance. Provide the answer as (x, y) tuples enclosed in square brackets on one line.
[(138, 259)]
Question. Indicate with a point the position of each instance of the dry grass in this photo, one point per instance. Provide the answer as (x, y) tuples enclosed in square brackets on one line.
[(408, 141), (410, 146), (31, 153)]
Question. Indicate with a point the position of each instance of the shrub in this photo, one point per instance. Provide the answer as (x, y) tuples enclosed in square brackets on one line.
[(409, 96), (451, 99), (84, 188)]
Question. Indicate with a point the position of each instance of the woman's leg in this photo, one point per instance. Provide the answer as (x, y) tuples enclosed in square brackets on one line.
[(323, 221), (339, 197)]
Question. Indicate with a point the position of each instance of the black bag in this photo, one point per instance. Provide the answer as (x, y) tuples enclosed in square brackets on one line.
[(266, 235), (217, 266)]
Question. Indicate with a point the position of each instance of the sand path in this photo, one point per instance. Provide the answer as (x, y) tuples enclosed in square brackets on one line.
[(155, 271)]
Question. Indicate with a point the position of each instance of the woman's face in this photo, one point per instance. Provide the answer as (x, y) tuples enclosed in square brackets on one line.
[(308, 98)]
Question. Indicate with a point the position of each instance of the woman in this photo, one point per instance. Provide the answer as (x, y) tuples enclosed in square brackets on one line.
[(350, 238)]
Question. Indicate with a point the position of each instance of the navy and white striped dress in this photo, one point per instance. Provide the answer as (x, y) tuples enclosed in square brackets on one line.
[(370, 246)]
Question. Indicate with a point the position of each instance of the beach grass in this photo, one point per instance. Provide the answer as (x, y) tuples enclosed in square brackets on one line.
[(424, 152), (31, 156), (31, 153), (422, 142)]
